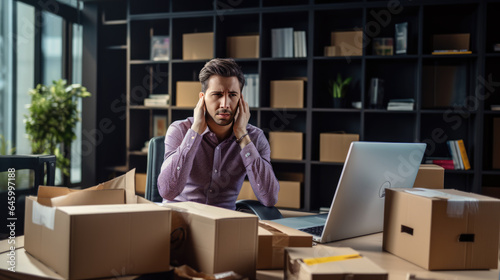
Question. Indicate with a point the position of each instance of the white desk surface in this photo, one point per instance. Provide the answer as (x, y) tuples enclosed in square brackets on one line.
[(398, 268)]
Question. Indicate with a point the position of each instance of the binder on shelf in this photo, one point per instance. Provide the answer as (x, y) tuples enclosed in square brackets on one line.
[(454, 154), (282, 42), (401, 37), (376, 93)]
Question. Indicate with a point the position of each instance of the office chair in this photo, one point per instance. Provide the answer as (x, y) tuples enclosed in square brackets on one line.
[(156, 153), (37, 163)]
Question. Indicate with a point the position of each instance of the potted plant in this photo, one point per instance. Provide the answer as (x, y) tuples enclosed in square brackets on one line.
[(339, 89), (52, 119)]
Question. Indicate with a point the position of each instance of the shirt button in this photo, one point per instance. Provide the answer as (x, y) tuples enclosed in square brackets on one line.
[(192, 137), (211, 134), (211, 190), (178, 168), (247, 154), (215, 170)]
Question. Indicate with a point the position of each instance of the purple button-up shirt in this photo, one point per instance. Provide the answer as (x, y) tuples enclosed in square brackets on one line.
[(199, 168)]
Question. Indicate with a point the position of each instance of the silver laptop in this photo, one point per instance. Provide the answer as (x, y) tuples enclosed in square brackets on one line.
[(358, 204)]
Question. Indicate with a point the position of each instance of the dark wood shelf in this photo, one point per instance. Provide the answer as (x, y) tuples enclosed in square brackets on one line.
[(131, 26)]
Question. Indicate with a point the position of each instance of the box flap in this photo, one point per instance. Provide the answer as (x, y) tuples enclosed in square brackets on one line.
[(208, 211)]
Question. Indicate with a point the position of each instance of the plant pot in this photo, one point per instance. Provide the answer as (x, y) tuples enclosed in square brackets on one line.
[(338, 102)]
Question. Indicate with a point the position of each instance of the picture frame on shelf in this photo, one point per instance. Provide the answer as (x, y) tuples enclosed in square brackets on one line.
[(160, 48), (159, 125)]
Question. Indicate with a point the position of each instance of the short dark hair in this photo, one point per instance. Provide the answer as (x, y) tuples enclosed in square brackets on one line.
[(225, 67)]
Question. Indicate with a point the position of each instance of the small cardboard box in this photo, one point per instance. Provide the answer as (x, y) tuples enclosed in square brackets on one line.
[(273, 239), (287, 94), (442, 229), (288, 196), (97, 232), (430, 176), (197, 46), (323, 262), (243, 46), (349, 43), (451, 41), (333, 147), (188, 93), (286, 145), (140, 183), (212, 239), (331, 51)]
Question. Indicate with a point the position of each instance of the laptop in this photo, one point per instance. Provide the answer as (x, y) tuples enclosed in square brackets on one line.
[(358, 204)]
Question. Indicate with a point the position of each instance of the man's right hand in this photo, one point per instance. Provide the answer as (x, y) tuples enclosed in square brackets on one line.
[(200, 123)]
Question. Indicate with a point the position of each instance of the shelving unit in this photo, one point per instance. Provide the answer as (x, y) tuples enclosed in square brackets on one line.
[(127, 76)]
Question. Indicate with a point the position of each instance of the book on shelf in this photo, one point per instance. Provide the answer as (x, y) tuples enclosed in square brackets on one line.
[(401, 37), (401, 104), (251, 90), (376, 93), (285, 42), (463, 154), (442, 52), (299, 40), (446, 163), (383, 46), (459, 154), (156, 100)]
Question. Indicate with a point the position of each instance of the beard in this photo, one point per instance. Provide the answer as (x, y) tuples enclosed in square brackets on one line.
[(222, 122)]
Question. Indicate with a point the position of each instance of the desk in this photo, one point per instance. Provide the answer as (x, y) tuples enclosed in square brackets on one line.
[(370, 246)]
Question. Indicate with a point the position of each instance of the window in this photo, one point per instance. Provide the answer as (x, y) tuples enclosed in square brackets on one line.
[(5, 73)]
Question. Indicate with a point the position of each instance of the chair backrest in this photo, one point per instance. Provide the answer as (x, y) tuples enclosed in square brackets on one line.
[(156, 154)]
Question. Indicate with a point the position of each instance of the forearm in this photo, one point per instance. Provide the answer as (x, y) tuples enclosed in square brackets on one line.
[(261, 176), (177, 166)]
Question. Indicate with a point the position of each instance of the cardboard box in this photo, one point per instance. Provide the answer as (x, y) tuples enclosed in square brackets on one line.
[(333, 147), (451, 41), (288, 196), (286, 145), (287, 94), (243, 46), (496, 143), (85, 240), (187, 94), (140, 183), (445, 229), (332, 263), (331, 51), (273, 239), (349, 43), (212, 239), (197, 46), (430, 176)]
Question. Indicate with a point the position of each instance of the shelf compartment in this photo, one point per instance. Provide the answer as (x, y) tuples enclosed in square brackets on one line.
[(234, 25), (328, 122), (147, 79), (488, 141), (113, 35), (492, 28), (381, 22), (399, 80), (326, 72), (111, 12), (283, 120), (271, 20), (446, 83), (438, 128), (139, 131), (388, 128), (449, 19), (324, 180), (328, 21), (489, 82), (181, 26), (142, 31)]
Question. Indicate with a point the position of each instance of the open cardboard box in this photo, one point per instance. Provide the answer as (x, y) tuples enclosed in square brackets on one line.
[(98, 232)]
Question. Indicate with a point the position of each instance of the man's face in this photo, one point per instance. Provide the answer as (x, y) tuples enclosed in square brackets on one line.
[(221, 99)]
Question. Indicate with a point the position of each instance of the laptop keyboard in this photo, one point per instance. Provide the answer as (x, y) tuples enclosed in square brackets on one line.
[(318, 230)]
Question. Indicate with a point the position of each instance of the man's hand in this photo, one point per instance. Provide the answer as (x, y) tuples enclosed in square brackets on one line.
[(200, 123), (241, 121)]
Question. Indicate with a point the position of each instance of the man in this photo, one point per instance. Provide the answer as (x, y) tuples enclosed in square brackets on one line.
[(208, 155)]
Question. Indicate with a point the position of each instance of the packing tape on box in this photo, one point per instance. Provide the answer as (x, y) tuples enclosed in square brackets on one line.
[(280, 240), (43, 215), (313, 261), (456, 203)]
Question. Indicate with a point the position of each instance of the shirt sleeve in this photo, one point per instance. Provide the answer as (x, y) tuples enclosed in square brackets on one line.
[(180, 151), (257, 160)]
